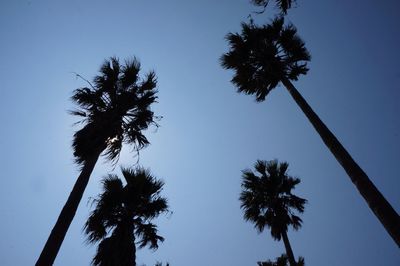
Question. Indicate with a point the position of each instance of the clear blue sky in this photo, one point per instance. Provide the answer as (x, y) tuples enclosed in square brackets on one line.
[(209, 132)]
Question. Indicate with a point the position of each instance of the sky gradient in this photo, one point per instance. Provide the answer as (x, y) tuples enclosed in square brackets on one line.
[(209, 133)]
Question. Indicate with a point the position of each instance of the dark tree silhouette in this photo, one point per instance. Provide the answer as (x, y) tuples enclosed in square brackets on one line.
[(283, 5), (280, 261), (115, 110), (123, 215), (160, 264), (267, 201), (265, 56)]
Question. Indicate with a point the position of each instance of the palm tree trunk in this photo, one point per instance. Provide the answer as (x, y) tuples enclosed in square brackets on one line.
[(64, 220), (289, 251), (129, 237), (134, 250), (376, 201), (125, 252)]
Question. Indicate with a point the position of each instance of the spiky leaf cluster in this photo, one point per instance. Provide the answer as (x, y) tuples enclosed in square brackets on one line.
[(263, 56), (114, 110), (280, 261), (283, 5), (267, 200), (123, 213)]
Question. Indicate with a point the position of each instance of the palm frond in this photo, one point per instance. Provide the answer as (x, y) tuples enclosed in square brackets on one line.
[(77, 113), (148, 235), (108, 206), (282, 260), (130, 72), (150, 82), (279, 261), (283, 5)]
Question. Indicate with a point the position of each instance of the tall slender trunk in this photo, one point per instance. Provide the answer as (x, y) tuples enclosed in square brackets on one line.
[(289, 251), (64, 220), (376, 201)]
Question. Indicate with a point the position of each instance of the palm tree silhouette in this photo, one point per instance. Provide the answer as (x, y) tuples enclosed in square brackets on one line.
[(267, 201), (283, 5), (280, 261), (265, 56), (115, 110), (123, 215)]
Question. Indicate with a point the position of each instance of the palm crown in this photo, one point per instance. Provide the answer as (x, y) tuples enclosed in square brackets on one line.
[(263, 56), (115, 109), (267, 199), (126, 211)]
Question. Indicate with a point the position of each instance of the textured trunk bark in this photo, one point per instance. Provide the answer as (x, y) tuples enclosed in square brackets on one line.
[(289, 251), (376, 201), (64, 220)]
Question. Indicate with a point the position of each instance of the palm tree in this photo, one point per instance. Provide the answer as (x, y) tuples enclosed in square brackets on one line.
[(115, 110), (123, 215), (267, 201), (283, 5), (280, 261), (265, 56)]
